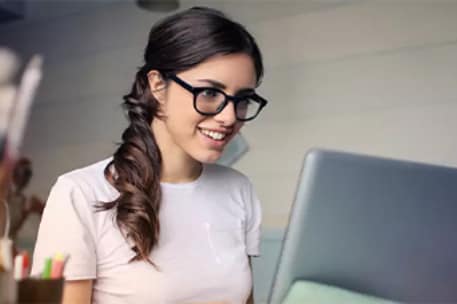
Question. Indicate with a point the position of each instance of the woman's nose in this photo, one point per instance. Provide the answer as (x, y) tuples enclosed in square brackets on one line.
[(227, 116)]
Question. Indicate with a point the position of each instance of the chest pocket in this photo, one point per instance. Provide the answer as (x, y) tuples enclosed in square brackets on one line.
[(226, 242)]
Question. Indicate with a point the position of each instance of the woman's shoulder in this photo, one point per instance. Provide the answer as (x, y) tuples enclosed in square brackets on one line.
[(90, 172), (89, 179)]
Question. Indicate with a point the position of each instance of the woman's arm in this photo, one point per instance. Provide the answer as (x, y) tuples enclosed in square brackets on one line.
[(77, 292), (251, 296)]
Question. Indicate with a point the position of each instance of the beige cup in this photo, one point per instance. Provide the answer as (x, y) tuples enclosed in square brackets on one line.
[(36, 290)]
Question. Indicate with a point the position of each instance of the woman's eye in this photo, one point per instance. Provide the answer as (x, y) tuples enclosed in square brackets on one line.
[(210, 93), (245, 101)]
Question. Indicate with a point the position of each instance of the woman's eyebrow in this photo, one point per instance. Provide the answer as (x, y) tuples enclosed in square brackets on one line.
[(222, 86)]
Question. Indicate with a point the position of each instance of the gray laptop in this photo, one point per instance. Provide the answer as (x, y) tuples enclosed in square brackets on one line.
[(372, 225)]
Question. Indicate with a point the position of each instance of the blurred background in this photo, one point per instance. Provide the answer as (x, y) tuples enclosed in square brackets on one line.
[(376, 77)]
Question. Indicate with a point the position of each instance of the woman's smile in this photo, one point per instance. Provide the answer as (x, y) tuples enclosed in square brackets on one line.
[(215, 138)]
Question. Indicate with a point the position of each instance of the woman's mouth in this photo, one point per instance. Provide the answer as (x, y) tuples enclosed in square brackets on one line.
[(214, 135)]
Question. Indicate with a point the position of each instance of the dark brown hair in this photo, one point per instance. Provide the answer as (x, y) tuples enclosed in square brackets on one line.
[(177, 43)]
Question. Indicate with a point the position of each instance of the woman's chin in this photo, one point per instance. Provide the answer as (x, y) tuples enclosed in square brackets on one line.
[(209, 157)]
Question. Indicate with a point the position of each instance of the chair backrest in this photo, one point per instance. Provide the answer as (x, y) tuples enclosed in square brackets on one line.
[(377, 226)]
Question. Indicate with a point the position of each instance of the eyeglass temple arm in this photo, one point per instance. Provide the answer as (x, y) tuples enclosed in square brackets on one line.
[(182, 83)]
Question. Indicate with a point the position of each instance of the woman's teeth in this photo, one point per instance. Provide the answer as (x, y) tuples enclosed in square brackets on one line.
[(214, 135)]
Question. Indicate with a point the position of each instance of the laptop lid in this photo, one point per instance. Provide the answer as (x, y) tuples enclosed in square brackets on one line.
[(377, 226)]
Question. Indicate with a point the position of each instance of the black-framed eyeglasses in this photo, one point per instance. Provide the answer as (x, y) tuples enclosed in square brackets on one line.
[(211, 101)]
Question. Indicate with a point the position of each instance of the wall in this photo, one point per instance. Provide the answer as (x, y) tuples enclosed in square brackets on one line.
[(371, 77)]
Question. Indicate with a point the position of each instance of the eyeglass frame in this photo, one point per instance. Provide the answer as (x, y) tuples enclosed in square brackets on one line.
[(227, 98)]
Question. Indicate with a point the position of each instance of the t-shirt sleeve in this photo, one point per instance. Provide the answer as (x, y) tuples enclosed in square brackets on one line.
[(253, 222), (67, 226)]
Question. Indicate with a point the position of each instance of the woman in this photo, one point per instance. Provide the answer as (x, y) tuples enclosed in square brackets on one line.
[(169, 226)]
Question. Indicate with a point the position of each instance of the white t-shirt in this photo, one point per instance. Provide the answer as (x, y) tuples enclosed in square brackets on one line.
[(209, 227)]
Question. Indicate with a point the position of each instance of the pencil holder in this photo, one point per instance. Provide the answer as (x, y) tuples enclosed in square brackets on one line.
[(7, 288), (36, 290)]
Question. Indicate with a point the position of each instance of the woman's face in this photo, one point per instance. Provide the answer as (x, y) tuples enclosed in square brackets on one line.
[(204, 138)]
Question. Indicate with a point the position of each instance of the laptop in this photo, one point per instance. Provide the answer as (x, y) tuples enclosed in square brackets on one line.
[(372, 225)]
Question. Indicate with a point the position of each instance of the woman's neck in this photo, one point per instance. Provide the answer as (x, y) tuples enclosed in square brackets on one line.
[(177, 165), (176, 171)]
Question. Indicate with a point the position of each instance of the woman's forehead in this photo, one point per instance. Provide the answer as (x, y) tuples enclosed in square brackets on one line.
[(234, 71)]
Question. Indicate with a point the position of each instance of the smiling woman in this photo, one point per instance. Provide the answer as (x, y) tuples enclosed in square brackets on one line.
[(159, 222)]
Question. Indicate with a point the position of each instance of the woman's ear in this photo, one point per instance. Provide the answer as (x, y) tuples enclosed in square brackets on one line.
[(157, 85)]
